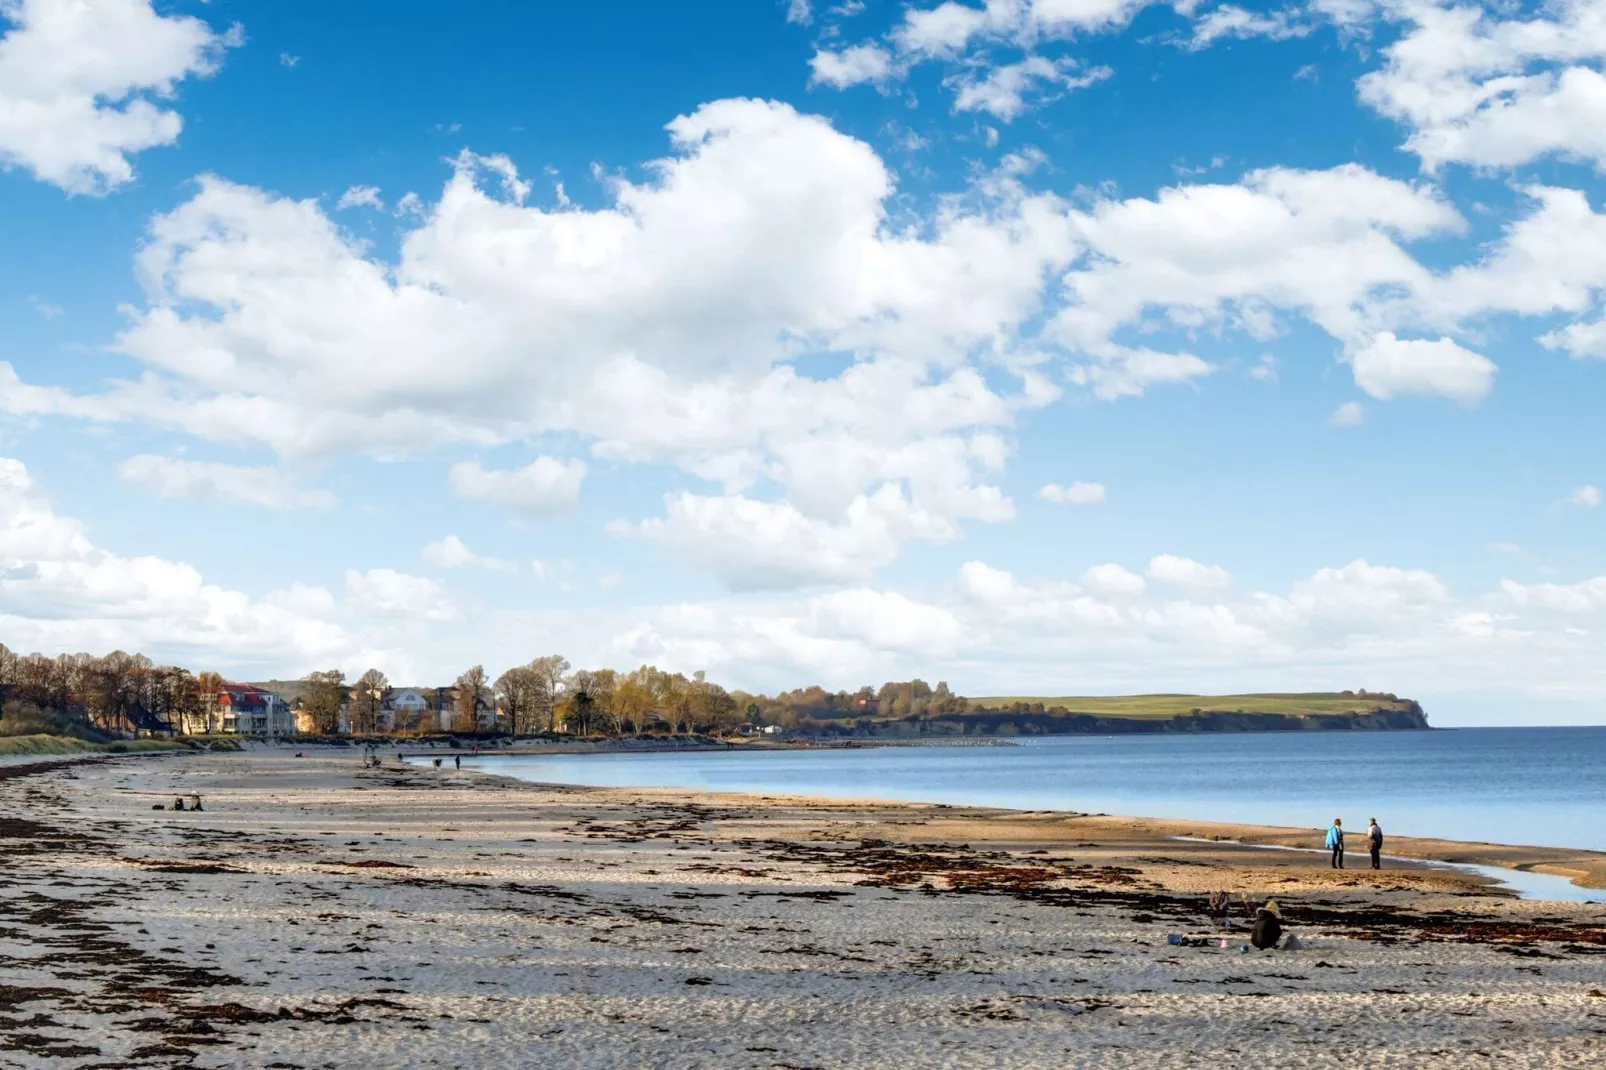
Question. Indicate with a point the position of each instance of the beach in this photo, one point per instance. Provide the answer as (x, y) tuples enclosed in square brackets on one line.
[(323, 914)]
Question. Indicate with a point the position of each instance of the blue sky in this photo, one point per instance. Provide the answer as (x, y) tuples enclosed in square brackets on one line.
[(1033, 345)]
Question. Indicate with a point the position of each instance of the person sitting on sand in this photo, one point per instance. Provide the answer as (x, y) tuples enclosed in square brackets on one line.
[(178, 802), (1374, 840), (1268, 926), (195, 803), (1335, 842)]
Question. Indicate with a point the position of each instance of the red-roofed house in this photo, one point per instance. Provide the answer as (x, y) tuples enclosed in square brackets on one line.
[(246, 710)]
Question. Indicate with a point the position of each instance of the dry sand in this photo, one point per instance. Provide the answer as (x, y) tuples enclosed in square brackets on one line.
[(322, 915)]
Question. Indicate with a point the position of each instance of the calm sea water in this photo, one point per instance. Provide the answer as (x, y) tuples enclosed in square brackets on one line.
[(1540, 786)]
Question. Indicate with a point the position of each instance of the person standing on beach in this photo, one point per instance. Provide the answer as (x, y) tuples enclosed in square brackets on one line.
[(1374, 840), (1335, 842), (458, 758)]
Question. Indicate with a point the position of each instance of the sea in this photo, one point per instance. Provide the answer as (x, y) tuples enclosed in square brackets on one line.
[(1532, 786)]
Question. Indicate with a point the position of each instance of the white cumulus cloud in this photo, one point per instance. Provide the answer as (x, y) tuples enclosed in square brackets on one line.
[(60, 591), (850, 66), (660, 327), (545, 485), (452, 552), (886, 620), (79, 82), (1112, 579), (386, 593), (1389, 367), (1495, 87), (1188, 574), (754, 545)]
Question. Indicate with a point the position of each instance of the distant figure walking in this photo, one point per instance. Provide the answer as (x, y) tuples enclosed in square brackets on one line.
[(458, 758), (1335, 842), (1374, 840), (1268, 926)]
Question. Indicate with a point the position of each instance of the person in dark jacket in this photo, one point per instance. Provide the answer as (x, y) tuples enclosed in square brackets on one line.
[(1374, 841), (1268, 927)]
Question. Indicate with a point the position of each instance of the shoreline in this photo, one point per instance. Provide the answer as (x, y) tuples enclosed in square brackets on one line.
[(1583, 868), (322, 912)]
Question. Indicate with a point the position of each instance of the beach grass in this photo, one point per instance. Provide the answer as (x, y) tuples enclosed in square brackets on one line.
[(44, 744), (1159, 707)]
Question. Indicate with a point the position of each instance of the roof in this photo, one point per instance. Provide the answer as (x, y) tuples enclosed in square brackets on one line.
[(246, 696)]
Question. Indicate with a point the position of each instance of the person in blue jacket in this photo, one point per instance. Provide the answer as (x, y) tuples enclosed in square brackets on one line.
[(1335, 842)]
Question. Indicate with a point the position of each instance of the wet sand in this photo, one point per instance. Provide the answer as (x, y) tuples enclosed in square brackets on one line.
[(319, 914)]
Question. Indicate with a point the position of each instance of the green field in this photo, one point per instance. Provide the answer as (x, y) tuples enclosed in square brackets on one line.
[(1163, 706)]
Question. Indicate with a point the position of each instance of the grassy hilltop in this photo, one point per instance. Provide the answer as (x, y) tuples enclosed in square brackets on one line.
[(1167, 706), (1130, 714)]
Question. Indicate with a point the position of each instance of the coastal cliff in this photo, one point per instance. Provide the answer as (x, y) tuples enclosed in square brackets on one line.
[(990, 723), (1385, 713)]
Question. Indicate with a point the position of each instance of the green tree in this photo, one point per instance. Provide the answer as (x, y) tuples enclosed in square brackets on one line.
[(323, 695)]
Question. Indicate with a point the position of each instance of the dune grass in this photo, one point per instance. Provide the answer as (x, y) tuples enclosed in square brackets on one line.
[(47, 745), (1164, 706)]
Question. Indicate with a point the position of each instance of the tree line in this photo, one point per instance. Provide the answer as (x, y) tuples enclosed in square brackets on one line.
[(128, 693), (544, 695), (118, 692)]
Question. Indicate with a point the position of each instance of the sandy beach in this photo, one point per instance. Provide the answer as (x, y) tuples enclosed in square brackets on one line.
[(319, 914)]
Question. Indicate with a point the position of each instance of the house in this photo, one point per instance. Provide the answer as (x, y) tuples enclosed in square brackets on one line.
[(281, 719), (446, 709), (406, 709), (241, 709), (198, 722)]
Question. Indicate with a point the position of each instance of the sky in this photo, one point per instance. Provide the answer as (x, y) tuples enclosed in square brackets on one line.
[(1042, 347)]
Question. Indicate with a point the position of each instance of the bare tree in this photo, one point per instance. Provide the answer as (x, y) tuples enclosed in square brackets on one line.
[(116, 690), (590, 699), (472, 691), (367, 700), (208, 686), (172, 697), (549, 672), (605, 694), (8, 673), (520, 695)]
